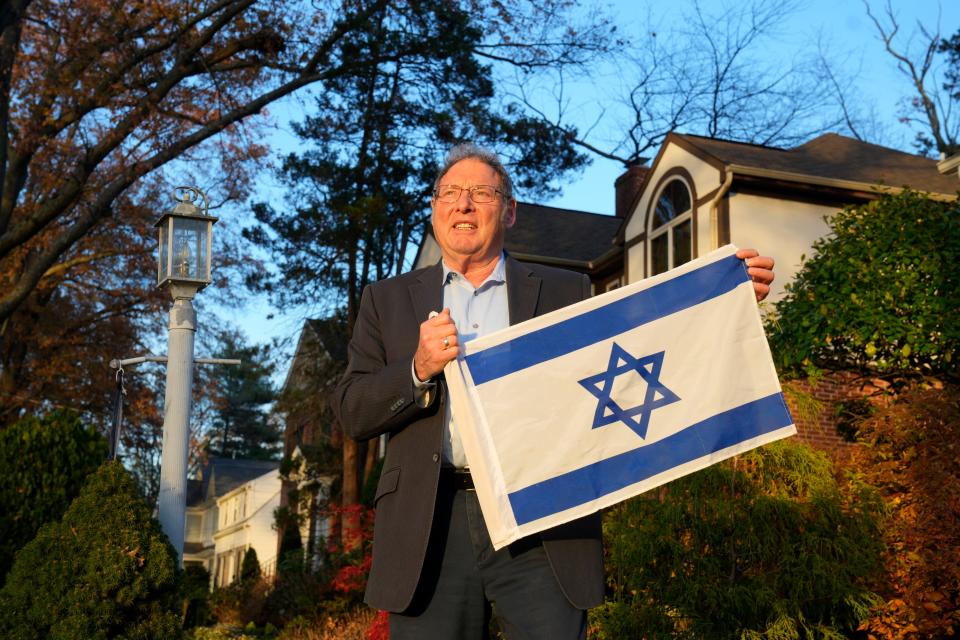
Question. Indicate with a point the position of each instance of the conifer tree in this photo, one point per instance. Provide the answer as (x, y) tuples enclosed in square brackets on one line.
[(359, 188), (240, 397), (250, 569), (105, 571), (43, 463)]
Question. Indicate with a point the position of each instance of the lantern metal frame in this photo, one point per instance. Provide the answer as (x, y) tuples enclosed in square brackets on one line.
[(184, 211)]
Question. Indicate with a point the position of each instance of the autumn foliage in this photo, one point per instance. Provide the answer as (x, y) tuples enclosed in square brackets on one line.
[(104, 108), (351, 554), (911, 453), (95, 100)]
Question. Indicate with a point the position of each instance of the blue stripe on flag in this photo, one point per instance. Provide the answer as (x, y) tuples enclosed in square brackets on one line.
[(612, 474), (676, 294)]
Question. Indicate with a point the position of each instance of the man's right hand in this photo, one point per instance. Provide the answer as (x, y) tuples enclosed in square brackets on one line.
[(438, 345)]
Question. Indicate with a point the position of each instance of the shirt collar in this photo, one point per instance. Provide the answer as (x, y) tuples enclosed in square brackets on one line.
[(497, 276)]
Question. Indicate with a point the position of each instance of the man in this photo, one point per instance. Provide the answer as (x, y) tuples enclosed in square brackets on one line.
[(434, 568)]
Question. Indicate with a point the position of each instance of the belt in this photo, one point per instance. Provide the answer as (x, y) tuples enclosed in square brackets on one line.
[(459, 479)]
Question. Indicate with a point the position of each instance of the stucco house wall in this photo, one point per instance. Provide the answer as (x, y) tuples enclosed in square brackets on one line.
[(782, 229)]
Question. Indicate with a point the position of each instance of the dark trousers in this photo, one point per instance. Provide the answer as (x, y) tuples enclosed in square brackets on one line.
[(463, 575)]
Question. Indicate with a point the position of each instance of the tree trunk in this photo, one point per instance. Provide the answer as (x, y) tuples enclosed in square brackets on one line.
[(349, 531)]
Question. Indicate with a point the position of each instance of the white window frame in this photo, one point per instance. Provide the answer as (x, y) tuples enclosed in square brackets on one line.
[(667, 229)]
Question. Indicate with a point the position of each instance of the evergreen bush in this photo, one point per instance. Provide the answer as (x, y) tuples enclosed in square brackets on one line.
[(879, 296), (44, 462), (242, 601), (767, 546), (195, 594), (104, 571), (250, 569)]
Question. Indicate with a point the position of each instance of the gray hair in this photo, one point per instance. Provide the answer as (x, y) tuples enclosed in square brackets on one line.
[(467, 151)]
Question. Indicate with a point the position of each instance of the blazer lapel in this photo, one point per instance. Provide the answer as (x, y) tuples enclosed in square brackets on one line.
[(523, 291), (427, 293)]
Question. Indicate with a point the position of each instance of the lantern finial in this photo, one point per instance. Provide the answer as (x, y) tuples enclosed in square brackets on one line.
[(186, 197)]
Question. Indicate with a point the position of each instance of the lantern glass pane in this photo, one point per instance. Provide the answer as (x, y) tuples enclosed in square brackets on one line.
[(189, 249), (162, 265)]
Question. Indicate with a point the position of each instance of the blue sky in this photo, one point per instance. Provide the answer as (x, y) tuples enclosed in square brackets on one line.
[(844, 27), (843, 24)]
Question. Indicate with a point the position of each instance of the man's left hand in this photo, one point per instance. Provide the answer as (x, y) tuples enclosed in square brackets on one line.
[(760, 269)]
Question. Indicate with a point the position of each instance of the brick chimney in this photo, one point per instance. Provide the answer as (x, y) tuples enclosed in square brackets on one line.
[(627, 186)]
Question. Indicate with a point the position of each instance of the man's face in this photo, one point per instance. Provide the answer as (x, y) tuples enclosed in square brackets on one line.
[(466, 229)]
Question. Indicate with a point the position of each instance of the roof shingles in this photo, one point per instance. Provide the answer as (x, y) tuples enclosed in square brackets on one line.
[(834, 156), (563, 234)]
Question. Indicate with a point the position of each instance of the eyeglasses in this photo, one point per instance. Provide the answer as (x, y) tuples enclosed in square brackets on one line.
[(480, 193)]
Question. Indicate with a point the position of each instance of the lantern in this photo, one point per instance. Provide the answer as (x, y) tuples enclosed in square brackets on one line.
[(186, 235)]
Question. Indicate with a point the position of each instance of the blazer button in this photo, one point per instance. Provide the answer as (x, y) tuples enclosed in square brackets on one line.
[(436, 457)]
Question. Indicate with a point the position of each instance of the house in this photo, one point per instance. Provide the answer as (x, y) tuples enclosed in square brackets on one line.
[(949, 164), (310, 435), (316, 366), (230, 509), (701, 193)]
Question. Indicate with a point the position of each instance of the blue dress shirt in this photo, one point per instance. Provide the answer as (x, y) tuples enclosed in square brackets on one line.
[(476, 311)]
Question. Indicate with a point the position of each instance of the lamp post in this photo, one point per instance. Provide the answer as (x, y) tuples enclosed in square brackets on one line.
[(183, 268)]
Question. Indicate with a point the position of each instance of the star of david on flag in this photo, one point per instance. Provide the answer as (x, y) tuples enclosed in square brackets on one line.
[(601, 385), (587, 406)]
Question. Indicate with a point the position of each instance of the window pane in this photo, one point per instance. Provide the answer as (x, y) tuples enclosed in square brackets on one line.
[(189, 248), (674, 200), (658, 255), (164, 271), (681, 243)]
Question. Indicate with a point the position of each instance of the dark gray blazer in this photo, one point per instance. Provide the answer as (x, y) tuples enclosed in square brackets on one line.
[(376, 395)]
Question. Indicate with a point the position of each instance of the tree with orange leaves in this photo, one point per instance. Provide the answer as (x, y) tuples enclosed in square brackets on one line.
[(96, 100)]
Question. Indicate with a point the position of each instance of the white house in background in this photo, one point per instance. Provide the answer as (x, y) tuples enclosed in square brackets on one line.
[(245, 521), (229, 510), (701, 193), (949, 165)]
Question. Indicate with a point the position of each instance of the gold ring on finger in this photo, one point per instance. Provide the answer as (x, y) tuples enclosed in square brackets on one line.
[(446, 342)]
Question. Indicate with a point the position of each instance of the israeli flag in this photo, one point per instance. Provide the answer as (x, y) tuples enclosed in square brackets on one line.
[(587, 406)]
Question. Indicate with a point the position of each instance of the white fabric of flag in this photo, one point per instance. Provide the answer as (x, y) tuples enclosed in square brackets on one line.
[(587, 406)]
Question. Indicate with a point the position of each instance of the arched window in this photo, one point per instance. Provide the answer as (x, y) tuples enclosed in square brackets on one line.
[(670, 228)]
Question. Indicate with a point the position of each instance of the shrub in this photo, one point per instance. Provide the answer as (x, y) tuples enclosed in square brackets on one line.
[(764, 546), (104, 571), (195, 592), (250, 569), (334, 587), (360, 623), (227, 632), (44, 462), (880, 294), (911, 454), (240, 603)]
